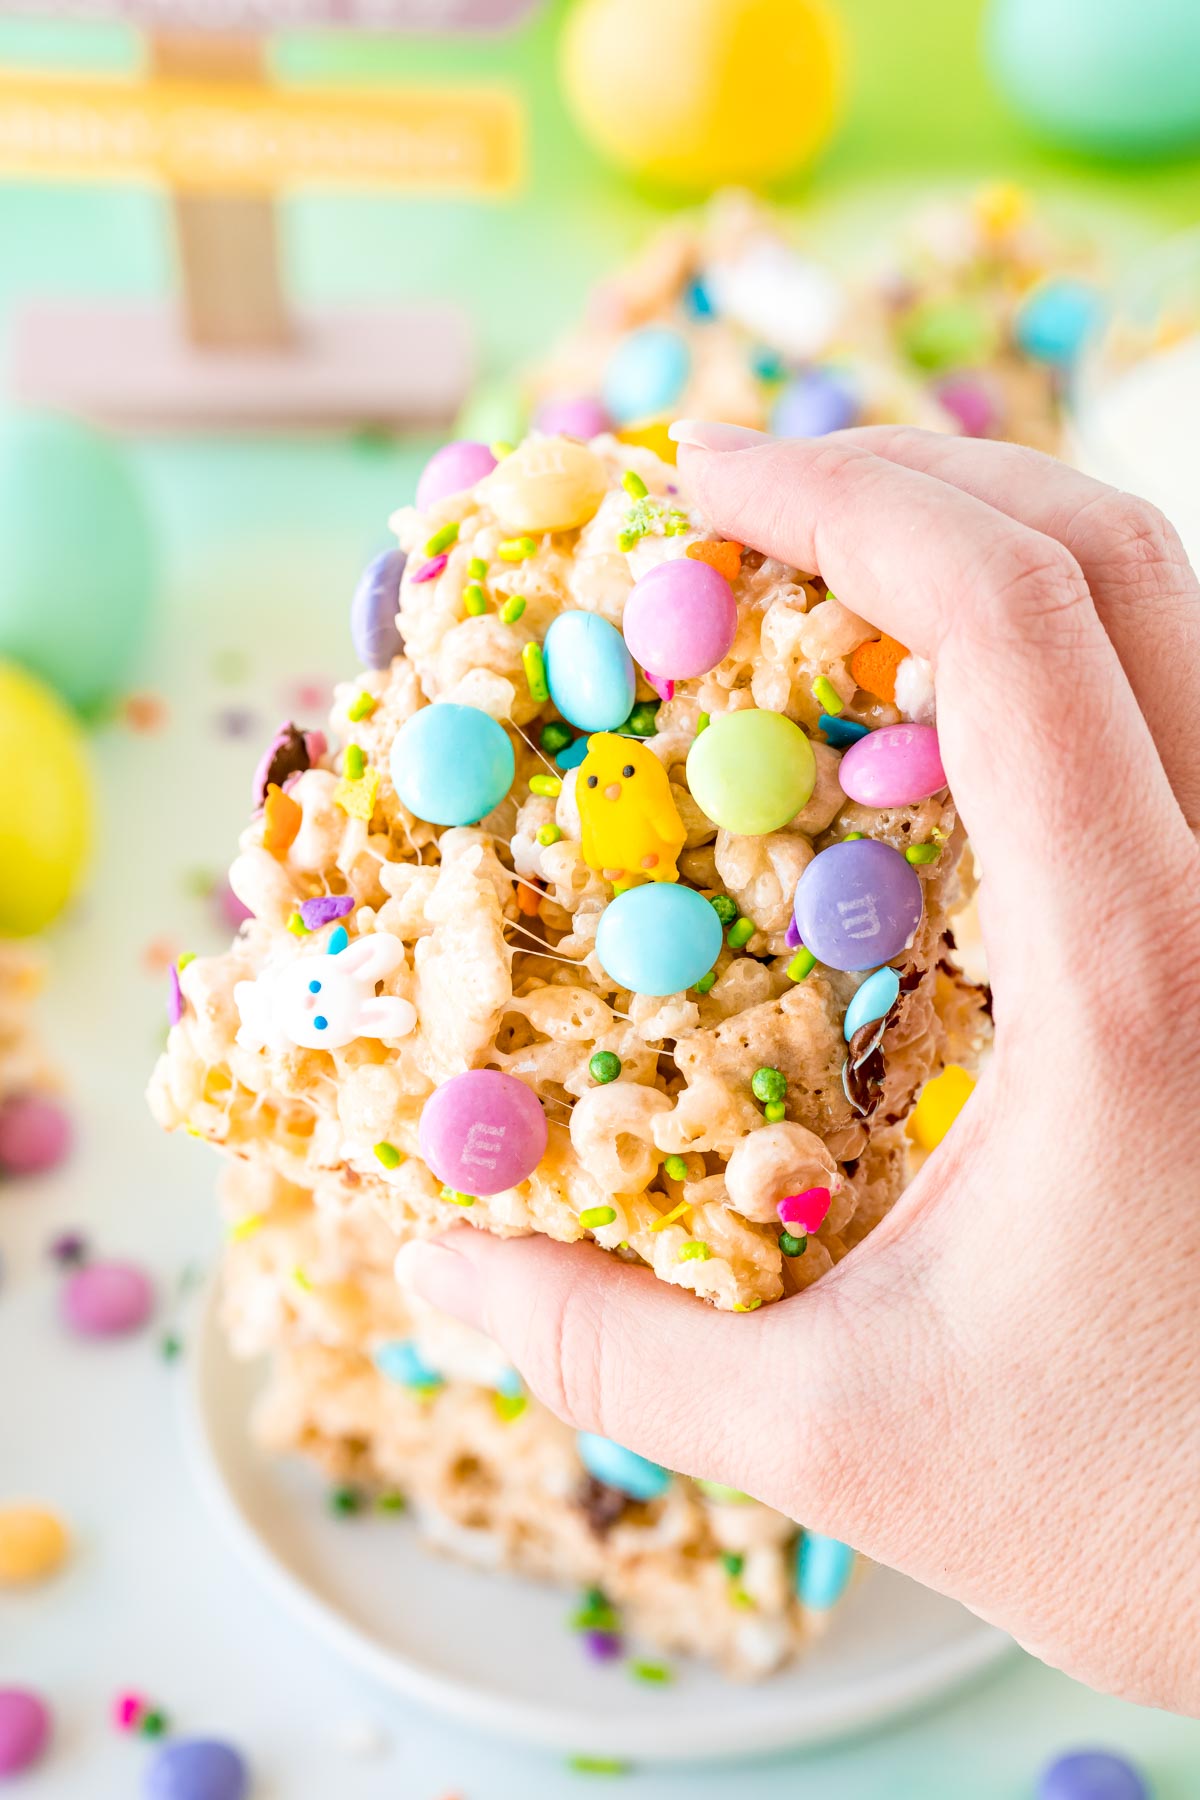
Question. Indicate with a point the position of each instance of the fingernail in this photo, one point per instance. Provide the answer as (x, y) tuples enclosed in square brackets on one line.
[(443, 1277), (710, 434)]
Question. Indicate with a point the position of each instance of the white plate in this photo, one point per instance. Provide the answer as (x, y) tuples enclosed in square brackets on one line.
[(494, 1650)]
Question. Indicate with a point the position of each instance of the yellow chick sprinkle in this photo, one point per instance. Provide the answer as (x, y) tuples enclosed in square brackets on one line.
[(631, 826)]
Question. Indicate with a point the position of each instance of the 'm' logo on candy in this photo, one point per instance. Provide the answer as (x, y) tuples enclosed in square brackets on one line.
[(859, 917), (481, 1139)]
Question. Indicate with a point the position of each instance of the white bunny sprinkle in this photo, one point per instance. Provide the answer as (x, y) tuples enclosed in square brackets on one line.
[(324, 1002)]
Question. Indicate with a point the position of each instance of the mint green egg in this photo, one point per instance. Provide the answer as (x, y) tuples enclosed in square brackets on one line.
[(1114, 77), (751, 771), (77, 558)]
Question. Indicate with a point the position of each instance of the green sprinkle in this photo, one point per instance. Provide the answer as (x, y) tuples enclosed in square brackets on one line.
[(604, 1066), (474, 600), (703, 723), (852, 837), (555, 736), (725, 908), (732, 1563), (391, 1503), (549, 786), (922, 853), (442, 540), (752, 1306), (595, 1613), (535, 671), (477, 569), (633, 484), (296, 925), (802, 964), (516, 549), (792, 1246), (170, 1347), (675, 1168), (706, 982), (388, 1155), (594, 1217), (346, 1501), (739, 1597), (768, 1084), (740, 933), (512, 609), (457, 1199), (501, 448), (183, 959), (774, 1112), (356, 762), (152, 1724), (658, 1673), (362, 707), (547, 835), (643, 720), (597, 1765), (695, 1250), (509, 1406), (824, 692), (301, 1279)]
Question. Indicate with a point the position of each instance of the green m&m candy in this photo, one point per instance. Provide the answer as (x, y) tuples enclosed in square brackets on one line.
[(751, 771)]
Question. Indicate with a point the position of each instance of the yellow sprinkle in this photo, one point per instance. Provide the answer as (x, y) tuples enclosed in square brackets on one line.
[(547, 835), (501, 448), (457, 1199), (695, 1250), (246, 1227), (633, 484), (183, 959), (388, 1155), (477, 569), (753, 1306), (516, 549), (512, 609), (355, 762), (296, 924), (827, 696), (362, 707), (940, 1103), (474, 600), (509, 1406), (442, 540), (676, 1212), (549, 786), (301, 1279), (535, 672), (358, 797)]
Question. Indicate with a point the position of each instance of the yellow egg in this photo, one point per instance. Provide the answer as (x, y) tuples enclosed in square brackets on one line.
[(548, 484), (941, 1101), (45, 803), (33, 1544), (694, 93)]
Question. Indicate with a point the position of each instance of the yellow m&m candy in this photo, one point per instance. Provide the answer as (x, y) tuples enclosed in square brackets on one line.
[(941, 1101), (45, 803), (33, 1544)]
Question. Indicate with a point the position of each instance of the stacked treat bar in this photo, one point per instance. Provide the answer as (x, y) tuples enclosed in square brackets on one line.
[(555, 942)]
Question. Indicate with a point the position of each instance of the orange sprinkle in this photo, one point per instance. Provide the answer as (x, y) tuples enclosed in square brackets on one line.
[(874, 666), (527, 901), (722, 555), (281, 820), (144, 712)]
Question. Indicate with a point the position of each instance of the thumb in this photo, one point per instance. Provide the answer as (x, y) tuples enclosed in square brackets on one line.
[(783, 1403)]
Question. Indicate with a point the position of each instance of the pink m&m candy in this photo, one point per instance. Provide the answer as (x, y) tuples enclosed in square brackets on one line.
[(483, 1132), (895, 766), (453, 469), (582, 417), (107, 1299), (680, 619), (24, 1729), (35, 1134)]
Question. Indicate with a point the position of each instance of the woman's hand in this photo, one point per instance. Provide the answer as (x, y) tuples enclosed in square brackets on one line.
[(999, 1390)]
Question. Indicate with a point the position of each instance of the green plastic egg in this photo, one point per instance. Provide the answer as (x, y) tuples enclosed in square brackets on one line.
[(77, 561), (1117, 77), (45, 803), (751, 771)]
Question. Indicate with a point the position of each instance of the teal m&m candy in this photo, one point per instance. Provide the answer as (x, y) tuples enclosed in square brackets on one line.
[(631, 1474), (823, 1569), (658, 939), (589, 671), (452, 764), (646, 373), (751, 771)]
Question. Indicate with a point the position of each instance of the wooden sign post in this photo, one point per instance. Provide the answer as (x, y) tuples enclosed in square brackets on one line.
[(206, 123)]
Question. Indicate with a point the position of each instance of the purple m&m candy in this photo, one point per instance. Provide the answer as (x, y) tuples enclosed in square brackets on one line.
[(373, 629), (581, 417), (814, 404), (680, 619), (483, 1132), (24, 1729), (197, 1769), (453, 469), (1092, 1775), (858, 904), (35, 1134), (895, 766), (107, 1299)]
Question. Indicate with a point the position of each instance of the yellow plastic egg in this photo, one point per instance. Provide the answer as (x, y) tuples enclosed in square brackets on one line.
[(941, 1101), (695, 93), (33, 1544), (45, 803)]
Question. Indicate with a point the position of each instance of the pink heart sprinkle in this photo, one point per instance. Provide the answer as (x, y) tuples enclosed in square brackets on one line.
[(663, 688), (432, 569), (807, 1210)]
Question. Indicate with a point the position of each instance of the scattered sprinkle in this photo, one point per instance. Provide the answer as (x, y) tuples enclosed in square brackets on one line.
[(604, 1066), (852, 837), (792, 1246), (501, 448), (145, 712), (732, 1563), (555, 736), (548, 786), (643, 720), (922, 854), (443, 538), (724, 556), (393, 1502), (874, 666), (512, 609), (603, 1646), (529, 900), (429, 571), (802, 964), (827, 695), (170, 1346), (768, 1084), (593, 1218), (246, 1227), (345, 1502), (388, 1155), (355, 762), (633, 484), (706, 982), (656, 1673), (535, 671), (841, 733), (301, 1279), (703, 723), (477, 569), (361, 707), (547, 835), (747, 1306), (595, 1613), (323, 909), (774, 1112), (457, 1199), (296, 925), (695, 1250), (339, 937), (474, 600), (725, 907), (598, 1765), (740, 933), (675, 1168), (357, 796), (282, 818), (669, 1218), (69, 1249), (509, 1406), (174, 996), (516, 549), (647, 515)]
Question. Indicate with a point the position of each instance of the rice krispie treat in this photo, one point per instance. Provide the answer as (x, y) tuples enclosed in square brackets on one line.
[(622, 910), (404, 1406), (969, 324)]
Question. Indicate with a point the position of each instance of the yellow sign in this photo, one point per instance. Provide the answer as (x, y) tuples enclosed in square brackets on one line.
[(244, 138)]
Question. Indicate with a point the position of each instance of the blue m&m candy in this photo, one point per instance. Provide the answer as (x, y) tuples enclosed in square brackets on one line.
[(646, 374), (874, 1000), (823, 1569), (1056, 320), (658, 939), (622, 1469), (401, 1360), (1092, 1775), (452, 764), (814, 404), (589, 671), (858, 904), (197, 1769), (373, 629)]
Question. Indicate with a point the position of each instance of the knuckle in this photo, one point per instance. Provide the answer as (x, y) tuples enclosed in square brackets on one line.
[(1136, 544), (1034, 589), (570, 1372)]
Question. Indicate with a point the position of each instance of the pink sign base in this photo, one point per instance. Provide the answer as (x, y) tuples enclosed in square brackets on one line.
[(133, 367)]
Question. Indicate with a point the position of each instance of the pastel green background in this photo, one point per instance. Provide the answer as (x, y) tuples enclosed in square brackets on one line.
[(918, 110)]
